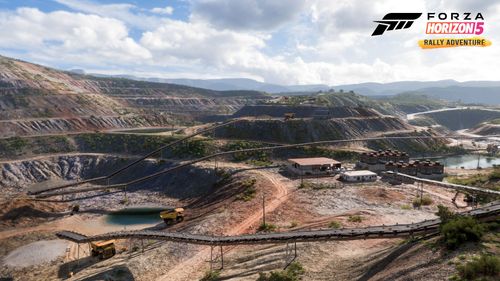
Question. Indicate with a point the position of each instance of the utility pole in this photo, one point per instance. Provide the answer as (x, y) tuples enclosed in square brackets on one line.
[(263, 208), (478, 159), (421, 195)]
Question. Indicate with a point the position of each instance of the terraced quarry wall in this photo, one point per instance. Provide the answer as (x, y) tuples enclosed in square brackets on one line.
[(193, 107), (304, 111), (462, 118), (307, 130), (40, 100), (486, 129), (41, 126)]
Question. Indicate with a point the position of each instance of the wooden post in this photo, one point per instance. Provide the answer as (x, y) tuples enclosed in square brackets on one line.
[(263, 208), (215, 170), (211, 257), (78, 255), (221, 258), (421, 194)]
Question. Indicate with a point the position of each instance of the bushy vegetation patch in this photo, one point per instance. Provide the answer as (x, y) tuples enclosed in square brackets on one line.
[(425, 201), (293, 273), (211, 275), (266, 227), (460, 230), (355, 218), (249, 190), (488, 180), (335, 224), (243, 156), (484, 267)]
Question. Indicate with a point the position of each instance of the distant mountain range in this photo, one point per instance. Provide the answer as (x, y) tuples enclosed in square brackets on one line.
[(467, 92), (224, 84), (485, 92)]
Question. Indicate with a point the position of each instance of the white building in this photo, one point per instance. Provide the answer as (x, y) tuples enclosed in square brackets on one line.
[(313, 166), (358, 176)]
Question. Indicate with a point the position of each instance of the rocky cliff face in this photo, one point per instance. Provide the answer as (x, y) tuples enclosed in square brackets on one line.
[(19, 175)]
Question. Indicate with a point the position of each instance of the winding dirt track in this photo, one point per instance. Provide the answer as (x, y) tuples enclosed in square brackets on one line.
[(188, 269)]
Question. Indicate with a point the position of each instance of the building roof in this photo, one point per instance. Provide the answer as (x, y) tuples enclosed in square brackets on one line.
[(359, 173), (314, 161)]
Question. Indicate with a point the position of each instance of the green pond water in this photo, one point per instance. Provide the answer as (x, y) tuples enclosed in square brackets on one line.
[(470, 161), (133, 216)]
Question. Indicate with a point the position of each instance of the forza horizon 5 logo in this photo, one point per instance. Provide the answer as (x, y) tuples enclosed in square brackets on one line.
[(394, 21), (438, 23)]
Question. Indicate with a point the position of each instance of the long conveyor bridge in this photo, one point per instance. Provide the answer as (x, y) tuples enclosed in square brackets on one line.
[(487, 212)]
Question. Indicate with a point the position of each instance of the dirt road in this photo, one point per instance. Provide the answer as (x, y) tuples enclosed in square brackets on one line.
[(188, 269)]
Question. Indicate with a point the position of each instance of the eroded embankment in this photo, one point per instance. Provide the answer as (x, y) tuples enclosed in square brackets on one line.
[(486, 129), (307, 130), (459, 119), (19, 175), (27, 127)]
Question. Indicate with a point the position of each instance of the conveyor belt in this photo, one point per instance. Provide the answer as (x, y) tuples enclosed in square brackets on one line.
[(458, 187), (187, 163), (490, 211), (135, 162)]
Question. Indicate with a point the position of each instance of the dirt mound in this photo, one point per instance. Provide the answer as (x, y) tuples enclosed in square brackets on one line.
[(381, 195), (24, 211)]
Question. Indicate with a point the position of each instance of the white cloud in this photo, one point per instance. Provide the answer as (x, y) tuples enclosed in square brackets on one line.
[(323, 42), (199, 43), (246, 14), (60, 35), (127, 13), (163, 11)]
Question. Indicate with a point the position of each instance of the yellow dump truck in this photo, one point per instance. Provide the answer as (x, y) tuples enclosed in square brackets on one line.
[(103, 249), (170, 216)]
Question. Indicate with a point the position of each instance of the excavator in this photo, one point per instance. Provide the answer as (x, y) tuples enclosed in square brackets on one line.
[(173, 215)]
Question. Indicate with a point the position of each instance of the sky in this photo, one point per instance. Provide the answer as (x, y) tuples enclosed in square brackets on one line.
[(283, 42)]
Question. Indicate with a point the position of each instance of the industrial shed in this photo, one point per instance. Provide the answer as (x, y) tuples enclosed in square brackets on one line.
[(313, 166), (359, 176)]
